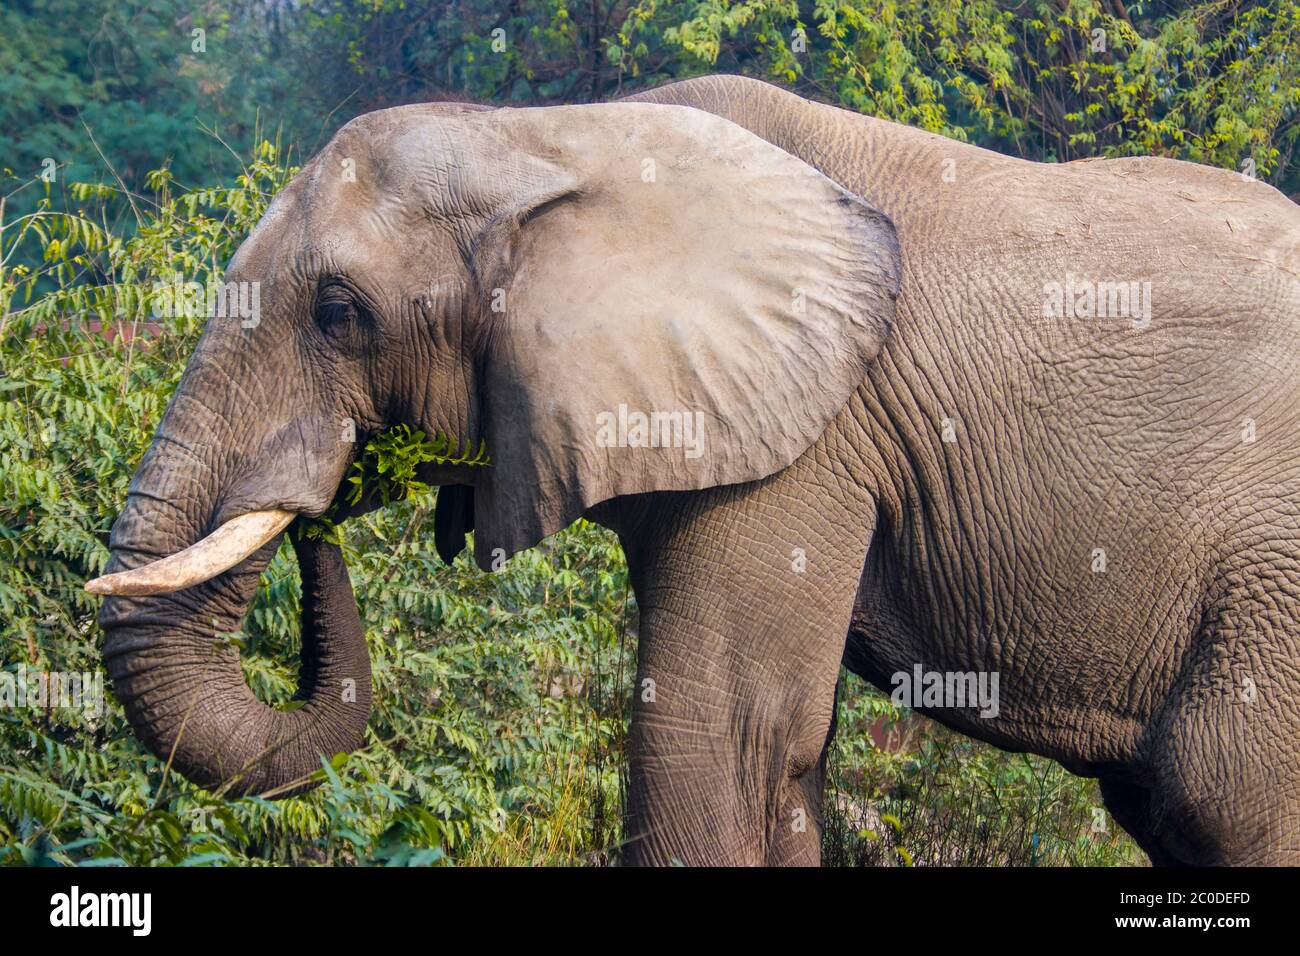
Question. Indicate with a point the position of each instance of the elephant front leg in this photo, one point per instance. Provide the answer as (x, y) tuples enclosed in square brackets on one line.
[(745, 596)]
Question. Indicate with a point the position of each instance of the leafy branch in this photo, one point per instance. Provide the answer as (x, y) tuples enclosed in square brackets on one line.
[(387, 467)]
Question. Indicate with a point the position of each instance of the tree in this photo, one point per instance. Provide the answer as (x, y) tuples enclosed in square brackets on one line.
[(1215, 82)]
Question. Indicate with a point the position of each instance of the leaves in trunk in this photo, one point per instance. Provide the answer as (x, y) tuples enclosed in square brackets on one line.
[(388, 464)]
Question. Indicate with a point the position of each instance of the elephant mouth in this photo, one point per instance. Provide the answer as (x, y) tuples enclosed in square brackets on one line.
[(205, 559)]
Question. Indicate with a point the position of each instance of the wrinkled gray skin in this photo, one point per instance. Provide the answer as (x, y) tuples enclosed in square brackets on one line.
[(945, 467)]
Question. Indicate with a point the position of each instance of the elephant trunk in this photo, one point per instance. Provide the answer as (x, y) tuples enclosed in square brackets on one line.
[(178, 674), (186, 698)]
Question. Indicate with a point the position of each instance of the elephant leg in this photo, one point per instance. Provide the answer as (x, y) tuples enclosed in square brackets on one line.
[(1226, 768), (745, 594), (1215, 803), (1129, 804)]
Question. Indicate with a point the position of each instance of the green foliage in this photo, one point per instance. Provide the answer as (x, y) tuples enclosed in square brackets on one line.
[(932, 797), (381, 52), (106, 91), (388, 463), (386, 471), (1214, 82), (497, 718), (81, 396)]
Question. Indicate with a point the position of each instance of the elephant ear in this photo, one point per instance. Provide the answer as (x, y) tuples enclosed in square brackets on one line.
[(670, 302)]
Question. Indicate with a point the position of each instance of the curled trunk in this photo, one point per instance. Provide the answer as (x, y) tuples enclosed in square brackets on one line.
[(184, 691)]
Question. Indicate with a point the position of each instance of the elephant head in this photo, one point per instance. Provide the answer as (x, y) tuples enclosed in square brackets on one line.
[(522, 277)]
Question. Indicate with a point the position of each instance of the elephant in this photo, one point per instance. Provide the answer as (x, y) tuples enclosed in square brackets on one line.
[(848, 393)]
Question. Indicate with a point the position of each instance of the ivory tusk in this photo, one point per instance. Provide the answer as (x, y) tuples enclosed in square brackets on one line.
[(205, 559)]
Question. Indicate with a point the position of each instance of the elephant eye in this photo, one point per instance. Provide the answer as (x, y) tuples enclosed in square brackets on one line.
[(336, 312)]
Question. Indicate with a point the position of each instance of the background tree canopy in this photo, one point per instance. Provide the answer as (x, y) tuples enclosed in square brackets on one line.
[(1214, 82), (142, 140)]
